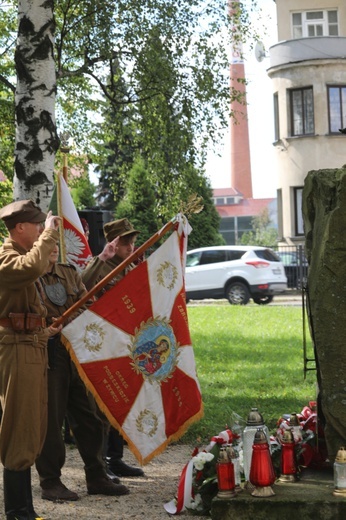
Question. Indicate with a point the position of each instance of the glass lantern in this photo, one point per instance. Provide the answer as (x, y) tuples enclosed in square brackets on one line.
[(340, 473), (254, 421)]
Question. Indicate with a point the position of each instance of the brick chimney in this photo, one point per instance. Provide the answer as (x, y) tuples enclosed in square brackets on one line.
[(241, 179)]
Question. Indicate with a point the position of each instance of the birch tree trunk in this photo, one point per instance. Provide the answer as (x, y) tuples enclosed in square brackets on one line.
[(36, 136)]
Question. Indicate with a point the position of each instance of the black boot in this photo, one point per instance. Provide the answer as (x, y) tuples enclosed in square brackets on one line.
[(114, 456), (17, 498), (32, 513), (15, 495)]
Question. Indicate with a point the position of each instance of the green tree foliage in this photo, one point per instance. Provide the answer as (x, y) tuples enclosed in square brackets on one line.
[(7, 120), (205, 225), (82, 191), (7, 133), (152, 185), (159, 131), (139, 203), (6, 197), (116, 144), (262, 234), (164, 71), (94, 39)]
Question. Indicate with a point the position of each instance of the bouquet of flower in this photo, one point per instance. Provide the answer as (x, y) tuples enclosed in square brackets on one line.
[(204, 480), (198, 481)]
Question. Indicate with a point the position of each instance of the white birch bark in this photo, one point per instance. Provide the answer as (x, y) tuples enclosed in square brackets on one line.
[(36, 136)]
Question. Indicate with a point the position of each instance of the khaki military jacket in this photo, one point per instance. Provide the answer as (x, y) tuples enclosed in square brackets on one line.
[(96, 270), (63, 287), (23, 356), (19, 270)]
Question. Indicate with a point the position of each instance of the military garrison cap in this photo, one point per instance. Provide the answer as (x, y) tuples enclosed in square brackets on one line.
[(21, 211), (118, 228)]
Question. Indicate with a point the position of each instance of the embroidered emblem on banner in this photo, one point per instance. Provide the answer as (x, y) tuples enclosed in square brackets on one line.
[(147, 423), (93, 337), (167, 275), (154, 350)]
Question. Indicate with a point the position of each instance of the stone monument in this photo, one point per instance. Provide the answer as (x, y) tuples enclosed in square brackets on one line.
[(324, 214)]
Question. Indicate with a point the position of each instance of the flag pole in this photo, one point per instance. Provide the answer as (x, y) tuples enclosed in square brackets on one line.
[(61, 228), (65, 149), (135, 256)]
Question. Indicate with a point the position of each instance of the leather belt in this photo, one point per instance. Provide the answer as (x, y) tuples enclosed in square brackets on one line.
[(24, 323), (5, 322)]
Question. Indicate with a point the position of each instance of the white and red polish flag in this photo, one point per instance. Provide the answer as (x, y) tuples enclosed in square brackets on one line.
[(74, 247), (133, 350)]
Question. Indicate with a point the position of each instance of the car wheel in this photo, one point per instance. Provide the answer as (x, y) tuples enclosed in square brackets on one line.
[(263, 300), (237, 293)]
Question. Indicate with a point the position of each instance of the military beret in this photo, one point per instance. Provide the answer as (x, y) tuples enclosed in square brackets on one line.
[(118, 228), (21, 211)]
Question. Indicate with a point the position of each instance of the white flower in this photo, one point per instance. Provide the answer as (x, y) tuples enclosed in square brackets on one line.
[(241, 460), (196, 502), (200, 459)]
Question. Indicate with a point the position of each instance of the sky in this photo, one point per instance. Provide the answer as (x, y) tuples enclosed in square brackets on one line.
[(260, 119)]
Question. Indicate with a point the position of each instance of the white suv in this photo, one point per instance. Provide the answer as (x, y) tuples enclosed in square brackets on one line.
[(237, 273)]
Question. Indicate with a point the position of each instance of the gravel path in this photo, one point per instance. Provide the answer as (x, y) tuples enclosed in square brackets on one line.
[(145, 501)]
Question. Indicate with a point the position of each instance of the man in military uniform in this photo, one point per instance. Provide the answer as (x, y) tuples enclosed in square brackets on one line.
[(23, 349), (120, 243), (67, 395)]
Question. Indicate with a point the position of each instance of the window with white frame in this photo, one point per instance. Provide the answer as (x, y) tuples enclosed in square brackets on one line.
[(336, 108), (307, 24), (301, 111)]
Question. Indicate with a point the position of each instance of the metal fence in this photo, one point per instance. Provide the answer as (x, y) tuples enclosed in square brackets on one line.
[(295, 263)]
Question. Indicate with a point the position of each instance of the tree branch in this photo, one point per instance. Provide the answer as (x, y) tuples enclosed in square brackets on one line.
[(8, 84)]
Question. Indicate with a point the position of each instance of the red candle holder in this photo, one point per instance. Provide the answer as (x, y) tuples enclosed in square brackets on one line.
[(225, 475), (262, 474), (288, 458)]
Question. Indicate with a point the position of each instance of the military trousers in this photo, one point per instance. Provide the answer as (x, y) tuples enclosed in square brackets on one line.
[(68, 396), (23, 395)]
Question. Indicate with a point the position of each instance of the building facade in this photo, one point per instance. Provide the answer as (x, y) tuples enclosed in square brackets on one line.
[(237, 213), (308, 73)]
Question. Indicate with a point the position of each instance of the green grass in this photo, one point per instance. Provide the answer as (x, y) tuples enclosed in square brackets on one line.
[(248, 356)]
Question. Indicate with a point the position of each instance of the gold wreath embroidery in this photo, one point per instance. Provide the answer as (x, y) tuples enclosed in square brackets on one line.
[(93, 337), (167, 275), (147, 423)]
